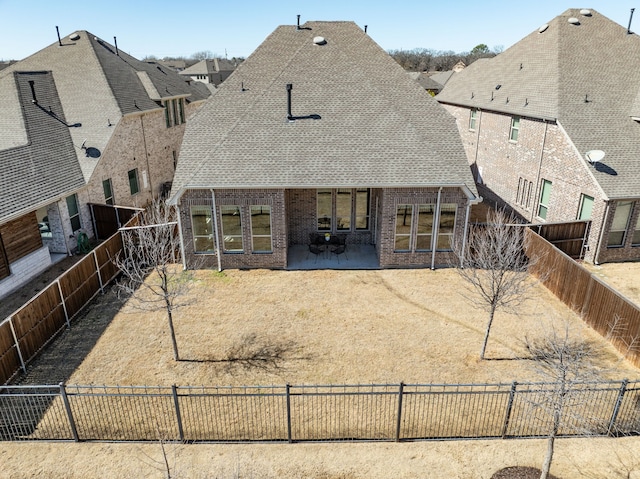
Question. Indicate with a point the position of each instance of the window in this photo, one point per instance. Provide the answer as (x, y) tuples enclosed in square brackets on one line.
[(231, 228), (108, 192), (261, 229), (404, 214), (173, 112), (343, 209), (636, 234), (586, 207), (545, 194), (362, 209), (618, 230), (133, 181), (202, 228), (473, 116), (424, 234), (515, 128), (446, 226), (523, 195), (74, 212)]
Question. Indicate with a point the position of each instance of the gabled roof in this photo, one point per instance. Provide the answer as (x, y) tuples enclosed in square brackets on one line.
[(425, 81), (42, 166), (361, 121), (585, 75), (205, 67), (98, 85)]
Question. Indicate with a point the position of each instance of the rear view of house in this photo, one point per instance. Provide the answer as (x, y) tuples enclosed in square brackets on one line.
[(321, 132), (551, 128)]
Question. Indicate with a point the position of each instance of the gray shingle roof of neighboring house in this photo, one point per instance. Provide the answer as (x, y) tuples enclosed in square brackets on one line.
[(205, 67), (442, 77), (44, 167), (98, 85), (586, 76), (374, 127), (425, 81)]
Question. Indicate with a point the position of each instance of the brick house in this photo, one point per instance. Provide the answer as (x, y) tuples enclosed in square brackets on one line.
[(112, 127), (550, 127), (321, 131), (210, 71)]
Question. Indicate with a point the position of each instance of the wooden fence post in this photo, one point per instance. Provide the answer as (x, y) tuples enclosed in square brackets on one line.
[(95, 258), (288, 394), (67, 406), (616, 409), (174, 391), (507, 416), (15, 340), (64, 305), (399, 418)]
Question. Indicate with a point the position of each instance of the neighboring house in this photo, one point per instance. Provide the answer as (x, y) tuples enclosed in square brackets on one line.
[(213, 71), (551, 127), (353, 147), (426, 82), (118, 129)]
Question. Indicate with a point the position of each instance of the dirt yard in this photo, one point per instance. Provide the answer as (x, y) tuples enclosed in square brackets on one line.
[(330, 327)]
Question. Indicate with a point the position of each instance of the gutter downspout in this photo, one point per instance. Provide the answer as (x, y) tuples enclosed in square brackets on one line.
[(215, 228), (146, 156), (184, 257), (475, 159), (64, 235), (466, 232), (605, 217), (436, 227), (537, 191)]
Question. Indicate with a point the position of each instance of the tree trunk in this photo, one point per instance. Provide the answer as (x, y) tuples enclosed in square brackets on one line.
[(492, 312), (547, 460), (173, 336)]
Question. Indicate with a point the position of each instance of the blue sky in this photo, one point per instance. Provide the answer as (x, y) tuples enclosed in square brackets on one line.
[(173, 28)]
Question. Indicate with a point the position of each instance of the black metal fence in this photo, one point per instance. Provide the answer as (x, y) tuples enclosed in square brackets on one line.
[(403, 412)]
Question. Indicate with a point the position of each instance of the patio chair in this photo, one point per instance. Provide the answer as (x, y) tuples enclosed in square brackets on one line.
[(338, 250), (316, 250)]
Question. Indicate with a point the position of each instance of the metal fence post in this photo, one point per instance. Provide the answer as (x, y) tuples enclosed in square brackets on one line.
[(288, 394), (616, 409), (67, 406), (15, 340), (64, 305), (507, 416), (399, 420), (174, 391)]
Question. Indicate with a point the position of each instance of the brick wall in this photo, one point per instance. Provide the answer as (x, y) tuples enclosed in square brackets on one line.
[(244, 199), (627, 251), (543, 151)]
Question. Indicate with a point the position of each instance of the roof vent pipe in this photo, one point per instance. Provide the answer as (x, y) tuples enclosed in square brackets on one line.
[(630, 18), (58, 32), (365, 28), (115, 42), (289, 115), (298, 24)]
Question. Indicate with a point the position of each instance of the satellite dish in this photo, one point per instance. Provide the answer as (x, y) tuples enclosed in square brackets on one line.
[(594, 156)]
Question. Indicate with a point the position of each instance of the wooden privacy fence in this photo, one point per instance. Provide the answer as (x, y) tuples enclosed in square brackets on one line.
[(391, 412), (599, 305), (34, 325)]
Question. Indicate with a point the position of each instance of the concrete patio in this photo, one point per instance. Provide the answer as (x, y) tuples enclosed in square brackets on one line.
[(357, 256)]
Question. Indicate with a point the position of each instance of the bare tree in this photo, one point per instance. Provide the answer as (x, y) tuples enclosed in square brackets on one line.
[(151, 277), (202, 55), (494, 266), (567, 363)]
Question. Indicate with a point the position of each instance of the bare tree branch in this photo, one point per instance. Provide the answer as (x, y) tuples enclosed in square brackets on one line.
[(494, 266)]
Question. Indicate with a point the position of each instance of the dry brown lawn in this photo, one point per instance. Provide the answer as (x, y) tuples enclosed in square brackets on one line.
[(333, 327), (624, 277)]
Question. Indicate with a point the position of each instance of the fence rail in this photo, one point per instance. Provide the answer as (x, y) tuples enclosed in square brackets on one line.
[(602, 307), (35, 324), (391, 412)]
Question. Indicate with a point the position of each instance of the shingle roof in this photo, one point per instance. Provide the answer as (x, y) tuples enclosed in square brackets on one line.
[(585, 76), (45, 167), (205, 67), (97, 85), (376, 126)]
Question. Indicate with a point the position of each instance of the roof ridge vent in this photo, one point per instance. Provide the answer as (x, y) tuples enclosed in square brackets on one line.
[(319, 40), (543, 28), (574, 21), (585, 12), (74, 36)]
